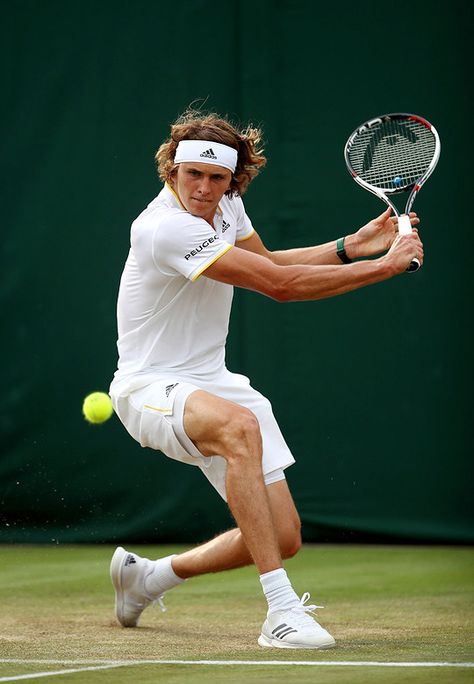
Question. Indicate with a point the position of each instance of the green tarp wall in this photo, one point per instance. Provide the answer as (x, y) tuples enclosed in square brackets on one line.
[(372, 390)]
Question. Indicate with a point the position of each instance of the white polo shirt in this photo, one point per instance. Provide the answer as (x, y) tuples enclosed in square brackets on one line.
[(171, 322)]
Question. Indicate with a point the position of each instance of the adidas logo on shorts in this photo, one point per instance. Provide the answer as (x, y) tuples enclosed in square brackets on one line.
[(169, 388), (209, 154)]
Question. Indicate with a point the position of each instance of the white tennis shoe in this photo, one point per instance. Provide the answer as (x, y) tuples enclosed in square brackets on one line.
[(128, 573), (295, 628)]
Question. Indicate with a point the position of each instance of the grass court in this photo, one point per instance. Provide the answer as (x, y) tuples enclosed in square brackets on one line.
[(384, 604)]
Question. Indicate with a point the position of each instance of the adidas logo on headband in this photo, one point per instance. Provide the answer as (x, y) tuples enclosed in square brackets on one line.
[(209, 154)]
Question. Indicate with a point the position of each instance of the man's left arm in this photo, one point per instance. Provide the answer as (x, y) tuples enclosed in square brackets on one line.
[(374, 238)]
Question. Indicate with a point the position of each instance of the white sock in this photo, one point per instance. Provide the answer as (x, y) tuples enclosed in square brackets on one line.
[(278, 591), (162, 578)]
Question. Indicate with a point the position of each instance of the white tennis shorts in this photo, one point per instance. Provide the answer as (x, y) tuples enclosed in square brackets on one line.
[(153, 415)]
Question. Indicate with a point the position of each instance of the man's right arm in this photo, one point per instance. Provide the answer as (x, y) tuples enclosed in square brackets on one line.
[(286, 283)]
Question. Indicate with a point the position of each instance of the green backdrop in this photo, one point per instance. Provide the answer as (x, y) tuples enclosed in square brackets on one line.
[(372, 390)]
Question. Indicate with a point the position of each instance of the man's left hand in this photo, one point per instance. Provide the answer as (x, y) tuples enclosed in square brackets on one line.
[(377, 235)]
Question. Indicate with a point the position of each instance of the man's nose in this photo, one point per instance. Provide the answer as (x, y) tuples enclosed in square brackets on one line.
[(204, 185)]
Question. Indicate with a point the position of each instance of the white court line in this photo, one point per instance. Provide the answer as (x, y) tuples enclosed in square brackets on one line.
[(158, 661), (108, 665), (323, 663), (90, 665), (52, 673)]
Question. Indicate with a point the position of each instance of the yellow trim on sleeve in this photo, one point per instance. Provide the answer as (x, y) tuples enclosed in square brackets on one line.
[(247, 236), (211, 262)]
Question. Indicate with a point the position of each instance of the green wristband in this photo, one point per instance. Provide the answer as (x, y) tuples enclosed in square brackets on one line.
[(341, 252)]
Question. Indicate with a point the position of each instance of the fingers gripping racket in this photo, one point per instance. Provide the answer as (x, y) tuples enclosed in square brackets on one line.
[(391, 154)]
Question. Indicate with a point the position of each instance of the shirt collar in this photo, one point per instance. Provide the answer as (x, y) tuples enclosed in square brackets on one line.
[(174, 197)]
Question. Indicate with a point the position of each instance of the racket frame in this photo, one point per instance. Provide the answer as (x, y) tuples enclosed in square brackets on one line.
[(404, 224)]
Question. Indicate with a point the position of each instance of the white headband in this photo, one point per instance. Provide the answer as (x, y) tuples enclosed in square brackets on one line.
[(206, 152)]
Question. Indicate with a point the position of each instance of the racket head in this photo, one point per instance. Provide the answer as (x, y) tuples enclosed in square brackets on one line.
[(392, 153)]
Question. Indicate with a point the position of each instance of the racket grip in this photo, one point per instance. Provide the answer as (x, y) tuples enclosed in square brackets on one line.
[(414, 266), (404, 228)]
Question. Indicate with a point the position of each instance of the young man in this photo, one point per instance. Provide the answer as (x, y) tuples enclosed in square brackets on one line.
[(172, 389)]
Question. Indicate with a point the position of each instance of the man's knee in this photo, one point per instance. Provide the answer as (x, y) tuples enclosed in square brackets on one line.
[(241, 435), (242, 422), (285, 518), (218, 426), (290, 539)]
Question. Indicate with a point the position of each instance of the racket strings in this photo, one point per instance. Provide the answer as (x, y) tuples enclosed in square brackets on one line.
[(391, 154)]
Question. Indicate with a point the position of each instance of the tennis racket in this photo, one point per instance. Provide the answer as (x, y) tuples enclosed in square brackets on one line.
[(391, 154)]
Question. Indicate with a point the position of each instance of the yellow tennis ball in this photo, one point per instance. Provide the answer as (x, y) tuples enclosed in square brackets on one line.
[(97, 407)]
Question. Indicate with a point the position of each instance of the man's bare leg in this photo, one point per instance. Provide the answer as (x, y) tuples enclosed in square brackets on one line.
[(220, 427), (228, 550), (217, 426)]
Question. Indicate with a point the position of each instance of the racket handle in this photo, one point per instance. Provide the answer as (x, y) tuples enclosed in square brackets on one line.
[(414, 266), (404, 228)]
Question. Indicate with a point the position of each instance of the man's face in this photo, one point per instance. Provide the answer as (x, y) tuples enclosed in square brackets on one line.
[(200, 187)]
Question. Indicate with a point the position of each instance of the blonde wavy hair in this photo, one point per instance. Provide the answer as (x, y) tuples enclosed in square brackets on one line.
[(196, 125)]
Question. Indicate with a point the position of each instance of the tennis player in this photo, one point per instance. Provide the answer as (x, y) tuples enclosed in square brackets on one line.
[(172, 390)]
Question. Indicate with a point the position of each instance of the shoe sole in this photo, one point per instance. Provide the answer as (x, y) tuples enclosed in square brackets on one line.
[(265, 642), (116, 566)]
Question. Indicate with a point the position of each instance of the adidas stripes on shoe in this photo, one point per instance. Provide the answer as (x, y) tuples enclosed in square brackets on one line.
[(295, 628)]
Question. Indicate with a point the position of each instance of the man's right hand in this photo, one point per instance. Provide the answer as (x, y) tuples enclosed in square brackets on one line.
[(404, 249)]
